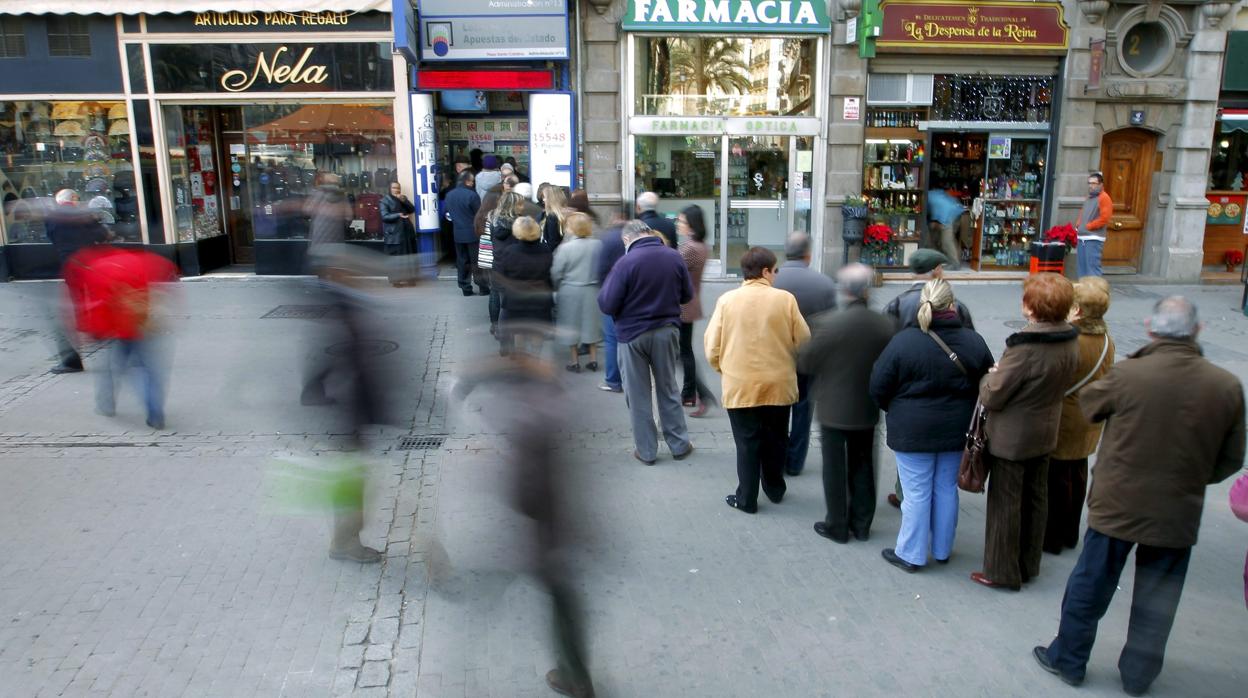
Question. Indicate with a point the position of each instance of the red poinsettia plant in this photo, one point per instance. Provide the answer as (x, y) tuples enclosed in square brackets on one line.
[(1064, 233), (877, 236), (1233, 258)]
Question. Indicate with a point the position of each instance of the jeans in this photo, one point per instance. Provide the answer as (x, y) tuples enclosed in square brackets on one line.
[(802, 414), (691, 387), (761, 435), (137, 354), (656, 352), (1088, 257), (849, 481), (611, 349), (929, 512), (1159, 577)]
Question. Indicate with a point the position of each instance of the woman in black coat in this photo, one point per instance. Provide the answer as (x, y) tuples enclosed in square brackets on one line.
[(523, 269), (398, 232), (929, 398)]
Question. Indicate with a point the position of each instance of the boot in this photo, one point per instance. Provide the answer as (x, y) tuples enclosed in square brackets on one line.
[(346, 544)]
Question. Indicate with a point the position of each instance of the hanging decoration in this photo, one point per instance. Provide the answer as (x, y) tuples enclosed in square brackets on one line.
[(1012, 98)]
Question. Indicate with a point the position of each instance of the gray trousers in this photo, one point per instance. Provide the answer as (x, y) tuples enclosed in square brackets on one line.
[(657, 352)]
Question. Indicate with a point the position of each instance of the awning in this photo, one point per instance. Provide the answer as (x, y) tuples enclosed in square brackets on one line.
[(134, 7), (1235, 62), (1234, 120)]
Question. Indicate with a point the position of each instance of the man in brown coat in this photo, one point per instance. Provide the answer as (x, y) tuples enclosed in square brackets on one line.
[(1174, 424)]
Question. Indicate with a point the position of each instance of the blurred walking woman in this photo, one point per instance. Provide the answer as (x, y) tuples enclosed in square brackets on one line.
[(1076, 436), (1022, 397), (929, 397), (691, 227), (575, 279)]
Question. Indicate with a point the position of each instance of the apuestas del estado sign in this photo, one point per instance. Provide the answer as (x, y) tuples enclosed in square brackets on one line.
[(741, 16)]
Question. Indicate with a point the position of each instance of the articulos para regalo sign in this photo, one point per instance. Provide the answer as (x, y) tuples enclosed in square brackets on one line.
[(740, 16), (970, 26)]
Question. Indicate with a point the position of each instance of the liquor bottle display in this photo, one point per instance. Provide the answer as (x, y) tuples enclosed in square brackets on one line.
[(893, 186), (1013, 192)]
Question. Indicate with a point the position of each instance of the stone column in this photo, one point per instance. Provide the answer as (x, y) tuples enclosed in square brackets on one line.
[(847, 77), (600, 123)]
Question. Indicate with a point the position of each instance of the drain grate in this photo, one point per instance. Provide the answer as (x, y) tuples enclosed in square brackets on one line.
[(429, 442), (297, 312), (368, 347)]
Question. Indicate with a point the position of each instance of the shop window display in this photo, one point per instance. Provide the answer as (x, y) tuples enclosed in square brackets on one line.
[(79, 145)]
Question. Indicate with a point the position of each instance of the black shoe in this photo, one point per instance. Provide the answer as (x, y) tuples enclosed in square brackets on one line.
[(592, 366), (732, 501), (467, 291), (1042, 658), (861, 535), (824, 530), (483, 292), (792, 473), (643, 460), (1129, 690), (66, 369), (891, 556), (775, 499), (684, 455)]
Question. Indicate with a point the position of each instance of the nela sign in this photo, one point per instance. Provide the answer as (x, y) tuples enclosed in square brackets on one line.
[(785, 16), (961, 25)]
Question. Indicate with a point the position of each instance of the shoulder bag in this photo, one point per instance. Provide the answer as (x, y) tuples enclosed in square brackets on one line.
[(973, 470), (1075, 388)]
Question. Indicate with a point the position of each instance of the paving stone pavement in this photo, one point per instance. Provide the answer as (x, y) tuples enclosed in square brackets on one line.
[(144, 563)]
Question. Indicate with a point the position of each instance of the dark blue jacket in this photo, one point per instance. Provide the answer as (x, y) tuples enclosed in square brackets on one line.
[(462, 205), (928, 400), (646, 289), (612, 249), (661, 223)]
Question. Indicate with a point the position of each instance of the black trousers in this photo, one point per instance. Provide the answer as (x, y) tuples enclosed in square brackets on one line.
[(1068, 485), (692, 386), (849, 480), (762, 437), (466, 267), (1014, 524), (1159, 577)]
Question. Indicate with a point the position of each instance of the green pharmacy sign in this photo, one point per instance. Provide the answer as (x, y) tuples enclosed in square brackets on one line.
[(741, 16)]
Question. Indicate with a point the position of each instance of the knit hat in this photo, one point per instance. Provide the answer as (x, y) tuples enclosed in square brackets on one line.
[(924, 261), (490, 162)]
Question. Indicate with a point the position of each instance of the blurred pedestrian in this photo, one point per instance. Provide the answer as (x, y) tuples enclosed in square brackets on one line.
[(612, 238), (926, 265), (552, 221), (579, 201), (1022, 398), (329, 211), (1239, 507), (927, 381), (837, 361), (462, 204), (490, 201), (691, 228), (497, 236), (752, 340), (643, 294), (523, 267), (70, 228), (1076, 436), (531, 209), (398, 231), (815, 293), (574, 276), (1174, 424), (112, 290), (647, 205)]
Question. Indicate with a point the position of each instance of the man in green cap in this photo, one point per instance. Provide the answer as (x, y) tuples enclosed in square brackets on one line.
[(904, 309)]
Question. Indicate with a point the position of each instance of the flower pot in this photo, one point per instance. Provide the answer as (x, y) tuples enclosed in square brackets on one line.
[(851, 230)]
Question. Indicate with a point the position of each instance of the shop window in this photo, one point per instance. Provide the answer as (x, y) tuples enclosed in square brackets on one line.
[(694, 75), (1020, 98), (12, 37), (69, 37), (1228, 166), (49, 146)]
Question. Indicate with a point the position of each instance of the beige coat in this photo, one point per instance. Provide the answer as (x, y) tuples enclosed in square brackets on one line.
[(1076, 436), (752, 339)]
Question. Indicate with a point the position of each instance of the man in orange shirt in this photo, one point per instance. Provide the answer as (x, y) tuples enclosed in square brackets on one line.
[(1092, 224)]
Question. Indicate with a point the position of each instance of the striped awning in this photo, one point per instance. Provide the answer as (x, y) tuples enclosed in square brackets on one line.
[(1234, 120)]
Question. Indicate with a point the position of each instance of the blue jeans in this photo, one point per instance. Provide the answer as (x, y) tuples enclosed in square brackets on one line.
[(611, 362), (1159, 577), (140, 355), (1088, 257), (799, 432), (929, 511)]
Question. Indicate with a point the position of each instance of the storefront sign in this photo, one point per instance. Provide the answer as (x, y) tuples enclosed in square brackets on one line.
[(763, 126), (1225, 210), (496, 129), (999, 147), (456, 30), (245, 68), (425, 158), (762, 16), (483, 141), (243, 22), (552, 141), (716, 125), (851, 109), (659, 125), (971, 26), (1096, 63)]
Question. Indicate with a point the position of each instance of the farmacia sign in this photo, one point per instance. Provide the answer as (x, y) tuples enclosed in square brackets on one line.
[(753, 16)]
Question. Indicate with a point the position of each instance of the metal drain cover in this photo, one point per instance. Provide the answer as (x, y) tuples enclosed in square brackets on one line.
[(428, 442), (297, 312), (1016, 324), (369, 347)]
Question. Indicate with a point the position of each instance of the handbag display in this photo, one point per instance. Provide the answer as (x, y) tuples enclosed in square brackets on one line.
[(973, 470)]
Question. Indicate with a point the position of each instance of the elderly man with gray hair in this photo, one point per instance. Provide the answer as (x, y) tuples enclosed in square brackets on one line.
[(843, 347), (647, 212), (815, 293), (1174, 424)]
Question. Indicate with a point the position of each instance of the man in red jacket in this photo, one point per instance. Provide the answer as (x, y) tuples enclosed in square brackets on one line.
[(1092, 224)]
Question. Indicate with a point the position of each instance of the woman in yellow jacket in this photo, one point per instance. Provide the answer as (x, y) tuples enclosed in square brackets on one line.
[(752, 340)]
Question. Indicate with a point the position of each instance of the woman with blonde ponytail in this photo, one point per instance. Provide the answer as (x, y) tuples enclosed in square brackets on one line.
[(928, 396)]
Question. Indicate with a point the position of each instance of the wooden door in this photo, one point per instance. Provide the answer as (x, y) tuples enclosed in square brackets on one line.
[(232, 174), (1128, 159)]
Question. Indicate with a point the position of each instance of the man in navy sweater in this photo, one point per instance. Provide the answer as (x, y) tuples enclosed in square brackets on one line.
[(462, 204), (643, 295)]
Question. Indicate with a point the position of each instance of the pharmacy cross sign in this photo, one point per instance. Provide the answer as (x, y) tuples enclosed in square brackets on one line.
[(736, 16)]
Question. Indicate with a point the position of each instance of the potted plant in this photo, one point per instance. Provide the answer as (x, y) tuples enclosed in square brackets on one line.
[(1233, 258), (877, 242), (1049, 254)]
